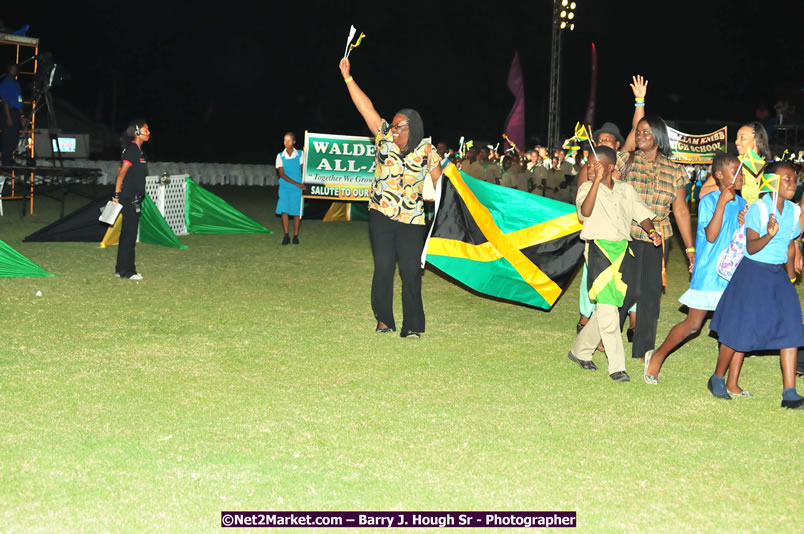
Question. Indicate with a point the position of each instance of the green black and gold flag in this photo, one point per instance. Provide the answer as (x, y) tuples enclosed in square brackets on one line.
[(752, 161), (504, 242), (769, 183), (610, 269)]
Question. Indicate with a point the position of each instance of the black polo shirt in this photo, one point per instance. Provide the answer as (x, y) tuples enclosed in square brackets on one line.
[(134, 181)]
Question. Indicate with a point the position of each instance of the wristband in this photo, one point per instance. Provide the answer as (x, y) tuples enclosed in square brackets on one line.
[(792, 280), (691, 249), (639, 98), (349, 79), (116, 194), (639, 105), (652, 231)]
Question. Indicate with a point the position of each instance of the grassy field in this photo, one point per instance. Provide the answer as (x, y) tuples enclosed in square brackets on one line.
[(243, 375)]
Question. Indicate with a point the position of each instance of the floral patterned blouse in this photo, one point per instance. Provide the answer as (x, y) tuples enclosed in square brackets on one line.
[(396, 191)]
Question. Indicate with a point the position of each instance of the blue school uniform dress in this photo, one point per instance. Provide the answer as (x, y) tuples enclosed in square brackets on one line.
[(759, 309), (706, 286), (290, 196)]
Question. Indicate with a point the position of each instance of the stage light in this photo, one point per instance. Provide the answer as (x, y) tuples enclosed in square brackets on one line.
[(572, 27), (572, 5), (564, 2), (563, 24), (571, 16), (563, 14)]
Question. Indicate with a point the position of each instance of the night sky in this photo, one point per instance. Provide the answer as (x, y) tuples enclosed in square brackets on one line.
[(223, 85)]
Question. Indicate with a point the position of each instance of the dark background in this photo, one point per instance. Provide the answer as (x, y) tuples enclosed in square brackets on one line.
[(223, 81)]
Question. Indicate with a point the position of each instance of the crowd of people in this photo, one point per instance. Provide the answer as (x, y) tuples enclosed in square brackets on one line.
[(625, 189)]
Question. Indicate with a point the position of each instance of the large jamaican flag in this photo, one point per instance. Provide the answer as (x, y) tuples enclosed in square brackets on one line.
[(503, 242)]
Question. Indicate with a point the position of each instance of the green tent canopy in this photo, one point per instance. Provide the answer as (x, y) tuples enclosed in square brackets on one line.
[(15, 265), (207, 213), (154, 228)]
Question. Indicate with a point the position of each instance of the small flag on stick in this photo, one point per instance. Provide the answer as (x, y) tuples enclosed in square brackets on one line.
[(357, 43), (752, 161), (349, 40), (769, 183), (580, 132)]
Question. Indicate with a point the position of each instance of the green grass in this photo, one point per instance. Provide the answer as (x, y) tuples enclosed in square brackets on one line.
[(245, 375)]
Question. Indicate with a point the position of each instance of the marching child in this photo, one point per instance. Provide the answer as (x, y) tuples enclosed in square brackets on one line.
[(720, 214), (759, 309), (607, 207)]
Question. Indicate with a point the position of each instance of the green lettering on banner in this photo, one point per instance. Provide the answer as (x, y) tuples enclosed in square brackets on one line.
[(338, 166)]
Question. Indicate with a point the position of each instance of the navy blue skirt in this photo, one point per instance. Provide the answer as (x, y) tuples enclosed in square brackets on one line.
[(759, 309)]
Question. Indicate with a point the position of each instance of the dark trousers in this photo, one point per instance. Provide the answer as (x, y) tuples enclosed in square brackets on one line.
[(11, 135), (392, 241), (646, 292), (128, 237)]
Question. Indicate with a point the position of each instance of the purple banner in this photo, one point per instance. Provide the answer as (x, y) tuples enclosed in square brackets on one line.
[(515, 123)]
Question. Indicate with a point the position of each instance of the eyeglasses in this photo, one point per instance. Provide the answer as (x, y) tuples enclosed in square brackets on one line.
[(399, 126)]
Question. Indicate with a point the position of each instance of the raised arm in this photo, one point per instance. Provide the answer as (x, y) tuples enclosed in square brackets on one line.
[(640, 89), (360, 100)]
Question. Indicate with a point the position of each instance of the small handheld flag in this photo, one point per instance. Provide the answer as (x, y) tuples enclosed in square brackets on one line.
[(752, 161), (357, 43), (769, 183), (349, 40), (580, 132)]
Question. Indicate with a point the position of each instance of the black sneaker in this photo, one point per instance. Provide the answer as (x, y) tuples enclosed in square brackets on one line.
[(295, 240), (286, 240)]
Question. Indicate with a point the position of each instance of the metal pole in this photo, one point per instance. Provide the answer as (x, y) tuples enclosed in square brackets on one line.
[(554, 102)]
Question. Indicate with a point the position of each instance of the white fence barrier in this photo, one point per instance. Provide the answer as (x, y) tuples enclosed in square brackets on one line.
[(203, 173)]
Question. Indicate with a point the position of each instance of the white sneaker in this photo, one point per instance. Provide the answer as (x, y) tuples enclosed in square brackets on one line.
[(135, 276)]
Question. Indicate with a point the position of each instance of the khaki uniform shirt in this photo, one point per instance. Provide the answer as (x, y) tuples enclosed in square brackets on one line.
[(613, 211)]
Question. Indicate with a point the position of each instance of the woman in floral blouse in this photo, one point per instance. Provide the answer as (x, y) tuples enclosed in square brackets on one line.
[(396, 209)]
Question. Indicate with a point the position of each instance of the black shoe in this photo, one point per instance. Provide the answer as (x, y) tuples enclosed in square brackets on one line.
[(725, 396), (793, 405), (588, 365), (409, 334), (620, 376), (295, 240), (630, 335), (286, 240)]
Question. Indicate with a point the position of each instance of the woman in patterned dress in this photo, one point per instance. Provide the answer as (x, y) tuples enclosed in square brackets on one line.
[(396, 208)]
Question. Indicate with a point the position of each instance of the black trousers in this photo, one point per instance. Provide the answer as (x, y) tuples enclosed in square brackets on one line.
[(11, 135), (128, 237), (646, 292), (392, 241)]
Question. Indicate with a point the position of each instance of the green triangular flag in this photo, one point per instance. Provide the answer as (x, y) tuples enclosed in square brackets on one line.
[(15, 265), (207, 213), (154, 228)]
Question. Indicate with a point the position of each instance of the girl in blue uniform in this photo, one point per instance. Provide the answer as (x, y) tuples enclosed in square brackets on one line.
[(290, 203), (719, 215), (760, 309)]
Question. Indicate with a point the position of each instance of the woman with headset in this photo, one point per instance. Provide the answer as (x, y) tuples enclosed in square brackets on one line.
[(129, 191)]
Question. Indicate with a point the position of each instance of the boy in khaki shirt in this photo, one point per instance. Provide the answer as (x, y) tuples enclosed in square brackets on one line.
[(607, 207)]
